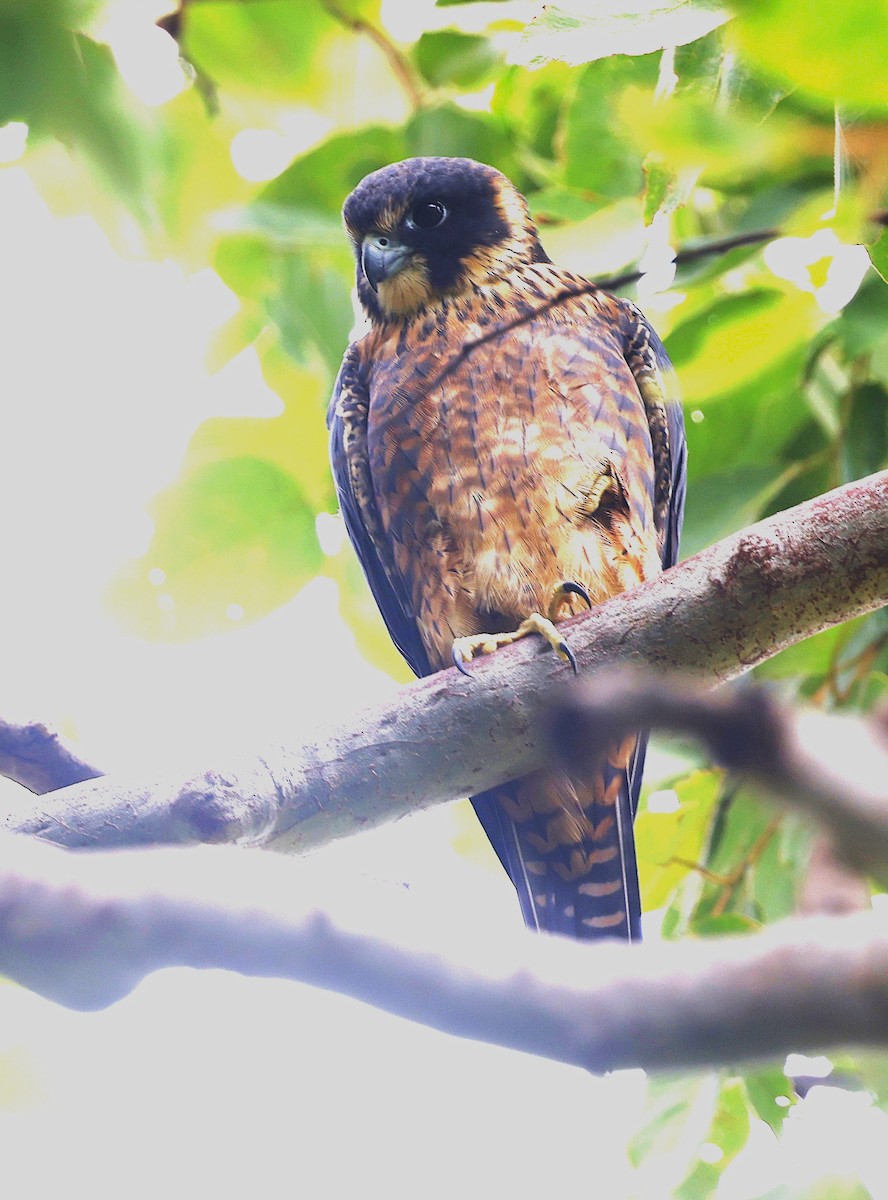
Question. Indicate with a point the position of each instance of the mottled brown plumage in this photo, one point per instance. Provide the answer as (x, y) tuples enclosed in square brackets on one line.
[(504, 427)]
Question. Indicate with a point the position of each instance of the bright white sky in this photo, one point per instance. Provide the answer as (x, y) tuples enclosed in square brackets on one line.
[(208, 1084)]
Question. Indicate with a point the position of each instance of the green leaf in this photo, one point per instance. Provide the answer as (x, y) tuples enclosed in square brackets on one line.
[(592, 119), (678, 1112), (657, 180), (246, 264), (878, 252), (755, 864), (288, 227), (64, 85), (312, 310), (729, 1133), (738, 339), (557, 205), (666, 842), (234, 336), (865, 445), (723, 924), (870, 1069), (771, 1095), (862, 326), (720, 504), (739, 361), (777, 871), (532, 102), (735, 149), (287, 253), (322, 178), (261, 46), (463, 60), (873, 691), (297, 441), (609, 241), (701, 65), (830, 51), (813, 656), (195, 180), (234, 540), (620, 27), (688, 1122), (742, 822), (446, 129)]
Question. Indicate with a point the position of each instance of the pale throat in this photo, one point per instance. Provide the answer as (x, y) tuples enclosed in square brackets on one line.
[(409, 292)]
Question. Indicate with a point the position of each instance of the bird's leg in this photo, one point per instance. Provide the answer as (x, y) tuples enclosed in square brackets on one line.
[(466, 648), (562, 595)]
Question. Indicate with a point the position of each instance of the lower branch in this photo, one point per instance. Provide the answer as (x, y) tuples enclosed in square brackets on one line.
[(84, 930), (833, 768), (717, 614)]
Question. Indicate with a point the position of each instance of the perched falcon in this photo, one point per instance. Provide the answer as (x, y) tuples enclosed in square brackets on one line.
[(506, 444)]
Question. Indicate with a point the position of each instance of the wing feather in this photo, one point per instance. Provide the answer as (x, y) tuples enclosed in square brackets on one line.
[(655, 376), (347, 419)]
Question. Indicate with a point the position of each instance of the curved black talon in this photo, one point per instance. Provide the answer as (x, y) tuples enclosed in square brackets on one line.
[(460, 663), (576, 589), (569, 655)]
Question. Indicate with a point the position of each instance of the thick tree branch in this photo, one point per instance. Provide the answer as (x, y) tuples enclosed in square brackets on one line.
[(83, 930), (833, 768), (717, 614)]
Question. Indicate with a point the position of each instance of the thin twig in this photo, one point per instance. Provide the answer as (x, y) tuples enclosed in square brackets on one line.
[(400, 64), (694, 253), (583, 288), (731, 882)]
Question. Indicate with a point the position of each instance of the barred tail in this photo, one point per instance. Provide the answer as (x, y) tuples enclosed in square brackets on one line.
[(568, 845)]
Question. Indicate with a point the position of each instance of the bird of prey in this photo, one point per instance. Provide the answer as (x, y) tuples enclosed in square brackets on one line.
[(507, 445)]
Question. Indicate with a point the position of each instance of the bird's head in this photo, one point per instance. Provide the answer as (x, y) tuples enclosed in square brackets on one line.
[(430, 228)]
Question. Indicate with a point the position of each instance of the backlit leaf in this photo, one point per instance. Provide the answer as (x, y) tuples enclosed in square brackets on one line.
[(463, 60), (878, 253), (835, 53), (575, 35), (233, 541)]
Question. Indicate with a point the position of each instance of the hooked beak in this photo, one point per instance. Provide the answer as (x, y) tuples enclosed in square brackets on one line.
[(381, 258)]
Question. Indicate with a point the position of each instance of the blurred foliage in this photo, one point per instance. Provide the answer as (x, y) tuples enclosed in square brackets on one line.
[(645, 128)]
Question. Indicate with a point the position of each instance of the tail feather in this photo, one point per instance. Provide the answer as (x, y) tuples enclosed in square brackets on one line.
[(568, 845)]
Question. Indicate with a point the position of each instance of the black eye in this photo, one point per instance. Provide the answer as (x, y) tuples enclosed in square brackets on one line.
[(428, 215)]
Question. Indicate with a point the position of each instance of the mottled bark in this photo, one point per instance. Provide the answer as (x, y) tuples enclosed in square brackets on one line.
[(717, 615)]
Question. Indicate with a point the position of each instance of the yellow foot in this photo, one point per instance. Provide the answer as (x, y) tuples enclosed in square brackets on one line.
[(562, 595), (466, 648)]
